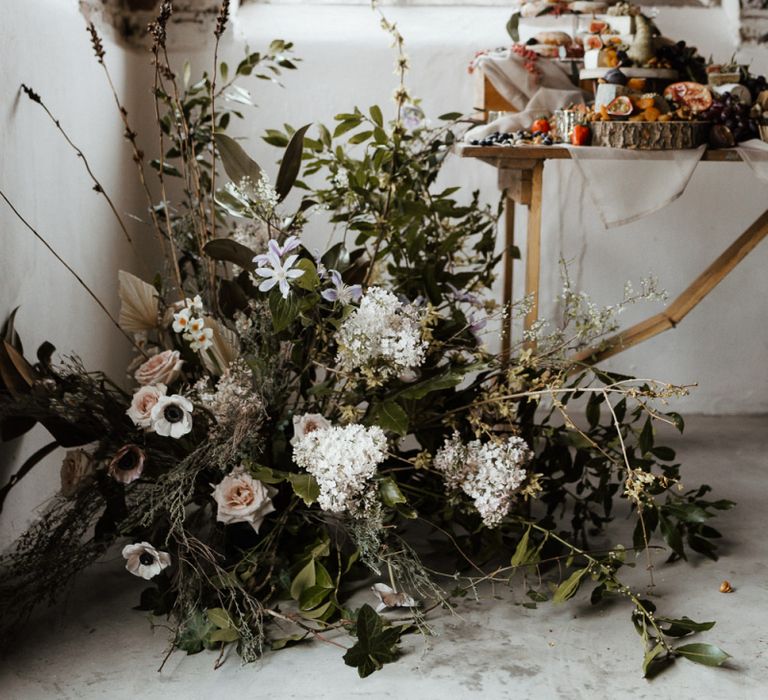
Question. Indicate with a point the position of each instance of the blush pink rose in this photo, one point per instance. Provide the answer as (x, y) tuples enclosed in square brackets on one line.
[(163, 368), (144, 400), (242, 499)]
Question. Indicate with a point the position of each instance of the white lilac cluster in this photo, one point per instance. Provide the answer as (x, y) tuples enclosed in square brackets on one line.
[(489, 473), (382, 333), (190, 323), (343, 460)]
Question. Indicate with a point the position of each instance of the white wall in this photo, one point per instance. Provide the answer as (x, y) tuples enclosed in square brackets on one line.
[(347, 61), (43, 43)]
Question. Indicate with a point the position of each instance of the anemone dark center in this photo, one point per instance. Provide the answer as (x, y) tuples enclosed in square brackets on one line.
[(128, 461), (173, 414), (146, 559)]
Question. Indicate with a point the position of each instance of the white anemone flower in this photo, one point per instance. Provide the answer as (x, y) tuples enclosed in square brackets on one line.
[(143, 560), (171, 416)]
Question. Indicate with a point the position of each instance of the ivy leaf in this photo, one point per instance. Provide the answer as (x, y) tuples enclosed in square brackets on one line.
[(706, 654), (376, 645), (304, 580), (305, 487), (390, 492), (389, 415), (289, 166), (194, 632)]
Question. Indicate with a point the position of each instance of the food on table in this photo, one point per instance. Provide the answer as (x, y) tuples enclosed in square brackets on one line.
[(695, 96), (740, 92), (553, 38), (541, 125), (642, 49), (616, 77), (581, 135), (620, 106), (522, 137), (720, 136)]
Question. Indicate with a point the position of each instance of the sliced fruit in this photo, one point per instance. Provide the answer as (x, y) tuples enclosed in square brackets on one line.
[(695, 96), (593, 41), (598, 27), (620, 106)]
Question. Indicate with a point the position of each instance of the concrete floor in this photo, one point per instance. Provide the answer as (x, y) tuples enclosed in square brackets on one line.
[(95, 646)]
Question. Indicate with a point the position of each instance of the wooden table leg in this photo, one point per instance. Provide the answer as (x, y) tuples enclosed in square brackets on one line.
[(509, 243), (533, 247), (685, 303)]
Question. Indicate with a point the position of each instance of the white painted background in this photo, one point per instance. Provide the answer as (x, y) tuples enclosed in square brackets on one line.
[(347, 60)]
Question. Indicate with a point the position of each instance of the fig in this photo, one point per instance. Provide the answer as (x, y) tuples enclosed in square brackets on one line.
[(615, 77), (720, 136)]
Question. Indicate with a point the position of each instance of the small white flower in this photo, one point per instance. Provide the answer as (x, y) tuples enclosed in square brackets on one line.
[(343, 293), (143, 560), (181, 320), (390, 598), (202, 340), (304, 425), (195, 326), (171, 416), (277, 272), (144, 400)]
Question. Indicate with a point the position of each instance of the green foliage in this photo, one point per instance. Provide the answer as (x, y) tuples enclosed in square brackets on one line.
[(376, 644)]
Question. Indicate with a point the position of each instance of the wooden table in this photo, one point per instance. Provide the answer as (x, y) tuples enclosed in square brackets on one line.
[(520, 171)]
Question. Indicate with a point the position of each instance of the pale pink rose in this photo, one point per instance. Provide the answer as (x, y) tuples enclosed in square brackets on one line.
[(306, 424), (242, 499), (163, 368), (144, 400), (77, 466)]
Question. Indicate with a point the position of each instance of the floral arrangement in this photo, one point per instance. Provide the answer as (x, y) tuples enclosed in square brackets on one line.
[(297, 422)]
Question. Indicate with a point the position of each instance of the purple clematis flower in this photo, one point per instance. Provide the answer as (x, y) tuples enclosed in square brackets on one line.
[(291, 243), (277, 272), (343, 293)]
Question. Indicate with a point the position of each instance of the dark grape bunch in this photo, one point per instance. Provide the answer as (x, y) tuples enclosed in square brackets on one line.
[(520, 137), (685, 59), (728, 111)]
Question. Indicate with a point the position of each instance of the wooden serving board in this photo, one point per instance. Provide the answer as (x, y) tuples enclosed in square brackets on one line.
[(650, 136)]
